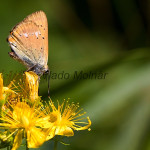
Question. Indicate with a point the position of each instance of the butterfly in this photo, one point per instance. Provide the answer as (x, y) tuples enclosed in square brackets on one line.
[(29, 43)]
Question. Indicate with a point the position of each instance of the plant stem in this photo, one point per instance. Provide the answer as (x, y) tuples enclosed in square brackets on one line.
[(55, 144), (27, 145)]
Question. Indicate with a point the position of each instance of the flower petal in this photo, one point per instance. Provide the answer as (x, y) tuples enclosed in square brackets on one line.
[(8, 92), (65, 131), (51, 134), (35, 137), (31, 85), (17, 140)]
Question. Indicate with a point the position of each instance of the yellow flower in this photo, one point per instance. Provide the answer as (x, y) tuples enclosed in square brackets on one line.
[(6, 93), (28, 118), (31, 86), (64, 119), (24, 121)]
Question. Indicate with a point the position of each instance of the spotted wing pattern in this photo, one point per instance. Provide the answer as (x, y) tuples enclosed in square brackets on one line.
[(29, 40)]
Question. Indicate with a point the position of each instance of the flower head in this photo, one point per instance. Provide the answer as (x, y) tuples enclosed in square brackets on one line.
[(66, 118), (24, 121), (31, 86), (30, 119), (6, 93)]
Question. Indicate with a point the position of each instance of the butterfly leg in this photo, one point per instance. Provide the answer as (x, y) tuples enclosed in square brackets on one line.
[(13, 55), (31, 68)]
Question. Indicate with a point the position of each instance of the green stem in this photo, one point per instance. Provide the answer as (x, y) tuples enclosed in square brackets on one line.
[(27, 145), (55, 144)]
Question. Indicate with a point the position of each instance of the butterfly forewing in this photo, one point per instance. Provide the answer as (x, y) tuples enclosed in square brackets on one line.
[(40, 19), (29, 40)]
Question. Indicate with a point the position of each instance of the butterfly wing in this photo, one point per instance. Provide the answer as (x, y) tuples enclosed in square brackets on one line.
[(40, 19), (29, 40)]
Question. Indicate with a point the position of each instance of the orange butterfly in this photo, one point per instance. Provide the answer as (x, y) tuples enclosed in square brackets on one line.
[(29, 42)]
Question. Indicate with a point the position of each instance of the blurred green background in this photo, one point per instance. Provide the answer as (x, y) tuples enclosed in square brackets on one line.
[(111, 36)]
